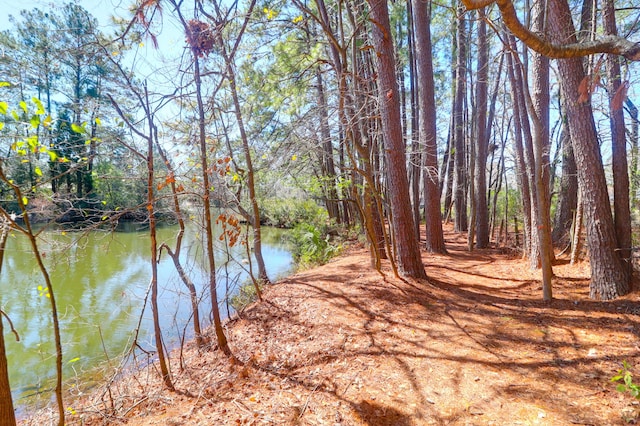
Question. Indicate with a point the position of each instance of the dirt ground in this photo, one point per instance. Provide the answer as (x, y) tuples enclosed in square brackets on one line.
[(343, 345)]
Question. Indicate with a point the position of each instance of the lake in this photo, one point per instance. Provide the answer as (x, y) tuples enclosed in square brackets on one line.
[(100, 280)]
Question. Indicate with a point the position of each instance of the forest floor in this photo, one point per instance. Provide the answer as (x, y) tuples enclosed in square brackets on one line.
[(341, 344)]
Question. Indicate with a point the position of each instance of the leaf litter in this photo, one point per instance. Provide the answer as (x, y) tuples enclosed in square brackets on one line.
[(341, 344)]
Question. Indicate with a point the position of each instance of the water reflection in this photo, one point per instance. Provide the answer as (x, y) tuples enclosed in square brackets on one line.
[(100, 282)]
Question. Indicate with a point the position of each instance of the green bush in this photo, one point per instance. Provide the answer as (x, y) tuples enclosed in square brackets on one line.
[(624, 378), (245, 296), (310, 246)]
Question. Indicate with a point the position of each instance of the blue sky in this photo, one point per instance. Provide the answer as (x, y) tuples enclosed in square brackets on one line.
[(150, 61), (101, 9)]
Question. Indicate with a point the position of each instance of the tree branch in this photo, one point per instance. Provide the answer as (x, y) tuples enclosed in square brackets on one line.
[(606, 44), (13, 330)]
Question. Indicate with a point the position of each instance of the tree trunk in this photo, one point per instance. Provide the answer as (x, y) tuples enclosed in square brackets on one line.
[(327, 152), (633, 112), (493, 147), (175, 254), (568, 198), (424, 66), (153, 255), (364, 133), (523, 174), (576, 235), (460, 184), (500, 174), (541, 143), (206, 205), (7, 415), (482, 138), (609, 278), (617, 92), (416, 154), (408, 252), (30, 233), (532, 246), (251, 186)]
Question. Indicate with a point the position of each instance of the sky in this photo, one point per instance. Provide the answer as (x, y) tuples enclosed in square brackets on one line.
[(101, 9), (153, 64)]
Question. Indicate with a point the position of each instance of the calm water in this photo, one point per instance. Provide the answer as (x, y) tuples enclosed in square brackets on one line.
[(100, 281)]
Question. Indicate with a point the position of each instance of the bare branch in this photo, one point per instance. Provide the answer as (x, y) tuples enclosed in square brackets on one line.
[(13, 330), (607, 44)]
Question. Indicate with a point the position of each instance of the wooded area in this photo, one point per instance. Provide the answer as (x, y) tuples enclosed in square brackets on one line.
[(509, 119)]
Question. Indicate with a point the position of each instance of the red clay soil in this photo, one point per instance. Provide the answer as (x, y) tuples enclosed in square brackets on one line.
[(343, 345)]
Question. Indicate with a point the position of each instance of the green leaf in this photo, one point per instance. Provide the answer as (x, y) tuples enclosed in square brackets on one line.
[(38, 171), (33, 143), (35, 121), (39, 106), (23, 106), (621, 388), (4, 107), (76, 128), (628, 379), (52, 155), (15, 115)]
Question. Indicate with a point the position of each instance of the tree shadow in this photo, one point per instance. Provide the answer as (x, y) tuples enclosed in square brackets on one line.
[(497, 326), (375, 414)]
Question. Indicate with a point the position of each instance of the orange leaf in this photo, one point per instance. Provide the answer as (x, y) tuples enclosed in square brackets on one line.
[(584, 90), (620, 96)]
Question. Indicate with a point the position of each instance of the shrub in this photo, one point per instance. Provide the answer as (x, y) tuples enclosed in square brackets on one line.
[(624, 378), (245, 296), (310, 246)]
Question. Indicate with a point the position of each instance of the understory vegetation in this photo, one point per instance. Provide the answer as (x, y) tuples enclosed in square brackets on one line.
[(334, 119)]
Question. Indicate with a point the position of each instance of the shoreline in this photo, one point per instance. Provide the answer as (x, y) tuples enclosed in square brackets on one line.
[(342, 344)]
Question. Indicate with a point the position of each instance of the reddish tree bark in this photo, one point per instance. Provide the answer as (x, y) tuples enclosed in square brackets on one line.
[(427, 125), (617, 92), (609, 278), (460, 184), (482, 140), (407, 250)]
